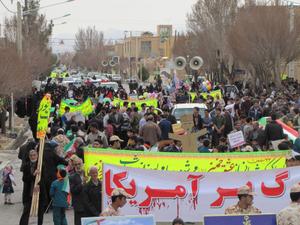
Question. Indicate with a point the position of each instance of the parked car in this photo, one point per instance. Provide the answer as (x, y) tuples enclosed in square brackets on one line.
[(116, 78), (186, 109)]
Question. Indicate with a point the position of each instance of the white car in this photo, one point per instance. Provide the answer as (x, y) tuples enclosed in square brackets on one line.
[(116, 78), (113, 85), (186, 109), (68, 80)]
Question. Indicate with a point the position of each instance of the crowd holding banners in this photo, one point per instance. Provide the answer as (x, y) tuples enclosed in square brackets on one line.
[(187, 162), (138, 103), (217, 94), (86, 108), (119, 128)]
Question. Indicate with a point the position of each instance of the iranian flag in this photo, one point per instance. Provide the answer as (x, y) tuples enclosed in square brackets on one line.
[(292, 134), (70, 147)]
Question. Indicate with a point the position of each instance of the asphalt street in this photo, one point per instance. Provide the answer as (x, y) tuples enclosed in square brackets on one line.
[(10, 214)]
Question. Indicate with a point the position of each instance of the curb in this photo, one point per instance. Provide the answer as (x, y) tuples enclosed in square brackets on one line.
[(16, 143)]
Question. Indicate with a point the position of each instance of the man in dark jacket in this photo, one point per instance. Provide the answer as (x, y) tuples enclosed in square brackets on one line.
[(255, 112), (29, 173), (273, 130), (197, 120), (24, 151), (92, 191), (166, 128), (76, 187)]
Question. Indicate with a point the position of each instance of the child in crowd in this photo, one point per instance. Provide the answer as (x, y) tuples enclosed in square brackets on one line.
[(59, 193), (8, 181), (205, 147)]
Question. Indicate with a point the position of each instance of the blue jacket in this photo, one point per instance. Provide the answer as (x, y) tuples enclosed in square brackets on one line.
[(166, 128), (58, 196)]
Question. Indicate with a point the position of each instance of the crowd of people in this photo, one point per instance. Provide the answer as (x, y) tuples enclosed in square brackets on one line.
[(145, 129)]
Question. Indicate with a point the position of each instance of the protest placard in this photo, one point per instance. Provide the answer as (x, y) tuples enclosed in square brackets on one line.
[(236, 139)]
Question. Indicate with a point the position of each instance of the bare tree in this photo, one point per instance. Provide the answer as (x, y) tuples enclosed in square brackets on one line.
[(14, 73), (89, 47), (36, 33), (208, 27), (67, 58), (262, 40)]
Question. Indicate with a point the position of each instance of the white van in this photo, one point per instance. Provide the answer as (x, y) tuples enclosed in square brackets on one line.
[(186, 109), (113, 85)]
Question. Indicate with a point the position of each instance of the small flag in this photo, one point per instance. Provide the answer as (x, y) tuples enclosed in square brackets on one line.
[(70, 147), (66, 186)]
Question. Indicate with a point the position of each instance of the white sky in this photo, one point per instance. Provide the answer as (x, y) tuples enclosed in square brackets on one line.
[(113, 15)]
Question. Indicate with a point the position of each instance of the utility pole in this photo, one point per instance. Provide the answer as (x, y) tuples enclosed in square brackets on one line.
[(19, 30), (291, 65), (130, 70), (136, 55)]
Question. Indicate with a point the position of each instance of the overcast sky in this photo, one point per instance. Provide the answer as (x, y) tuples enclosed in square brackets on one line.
[(113, 16)]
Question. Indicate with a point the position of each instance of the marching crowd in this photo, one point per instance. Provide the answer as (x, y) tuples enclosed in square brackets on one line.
[(146, 129)]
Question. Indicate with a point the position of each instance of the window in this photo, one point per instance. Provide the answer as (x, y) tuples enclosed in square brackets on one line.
[(146, 47)]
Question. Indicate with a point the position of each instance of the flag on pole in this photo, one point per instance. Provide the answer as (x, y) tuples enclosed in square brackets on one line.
[(70, 147)]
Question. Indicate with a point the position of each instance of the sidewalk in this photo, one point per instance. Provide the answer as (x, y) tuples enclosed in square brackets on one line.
[(7, 142)]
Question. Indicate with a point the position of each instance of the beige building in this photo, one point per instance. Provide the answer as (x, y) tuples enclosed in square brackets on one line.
[(147, 45)]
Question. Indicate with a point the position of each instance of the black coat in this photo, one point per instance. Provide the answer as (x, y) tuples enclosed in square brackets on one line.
[(28, 183), (93, 196), (273, 132), (78, 196), (24, 152), (51, 161)]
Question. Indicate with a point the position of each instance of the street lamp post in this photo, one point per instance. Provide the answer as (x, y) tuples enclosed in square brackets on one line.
[(19, 30), (19, 22)]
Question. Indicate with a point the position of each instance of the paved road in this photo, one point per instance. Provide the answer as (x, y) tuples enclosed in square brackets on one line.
[(10, 215)]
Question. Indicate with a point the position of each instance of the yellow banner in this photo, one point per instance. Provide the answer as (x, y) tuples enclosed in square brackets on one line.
[(43, 116), (186, 162), (214, 94), (86, 108), (138, 103)]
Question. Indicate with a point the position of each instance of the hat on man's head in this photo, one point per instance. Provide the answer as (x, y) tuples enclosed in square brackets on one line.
[(120, 192), (295, 188), (115, 138), (245, 190), (61, 167)]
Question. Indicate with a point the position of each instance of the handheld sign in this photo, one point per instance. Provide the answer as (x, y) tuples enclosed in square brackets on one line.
[(236, 139), (43, 116)]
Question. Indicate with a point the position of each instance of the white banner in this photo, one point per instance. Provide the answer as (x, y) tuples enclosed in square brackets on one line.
[(190, 196)]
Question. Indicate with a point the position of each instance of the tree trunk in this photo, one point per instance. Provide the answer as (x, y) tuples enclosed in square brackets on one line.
[(3, 121), (277, 79)]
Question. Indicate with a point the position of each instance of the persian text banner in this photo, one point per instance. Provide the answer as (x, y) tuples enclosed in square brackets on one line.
[(191, 196), (186, 162)]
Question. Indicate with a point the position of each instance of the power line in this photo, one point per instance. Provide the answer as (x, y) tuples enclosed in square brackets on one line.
[(7, 7)]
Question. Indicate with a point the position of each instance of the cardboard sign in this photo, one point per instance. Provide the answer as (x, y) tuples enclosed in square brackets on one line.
[(236, 139), (265, 219), (189, 140), (187, 122), (118, 220), (43, 116)]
